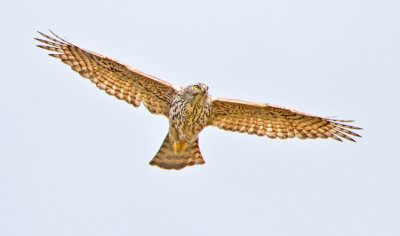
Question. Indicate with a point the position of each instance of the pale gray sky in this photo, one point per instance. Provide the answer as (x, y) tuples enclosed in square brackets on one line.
[(74, 161)]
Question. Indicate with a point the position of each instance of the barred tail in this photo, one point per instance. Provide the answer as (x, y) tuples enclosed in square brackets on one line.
[(167, 159)]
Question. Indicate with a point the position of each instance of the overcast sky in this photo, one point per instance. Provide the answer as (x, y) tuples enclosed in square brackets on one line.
[(74, 161)]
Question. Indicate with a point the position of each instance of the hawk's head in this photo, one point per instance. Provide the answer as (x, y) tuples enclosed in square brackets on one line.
[(195, 92)]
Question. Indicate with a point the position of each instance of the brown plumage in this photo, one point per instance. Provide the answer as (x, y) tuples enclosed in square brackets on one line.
[(167, 159), (191, 109)]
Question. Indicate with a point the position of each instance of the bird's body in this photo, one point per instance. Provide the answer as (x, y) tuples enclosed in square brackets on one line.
[(187, 117), (191, 109), (189, 113)]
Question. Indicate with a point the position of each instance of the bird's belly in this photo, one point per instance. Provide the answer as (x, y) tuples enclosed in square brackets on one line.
[(186, 130), (186, 122), (189, 131)]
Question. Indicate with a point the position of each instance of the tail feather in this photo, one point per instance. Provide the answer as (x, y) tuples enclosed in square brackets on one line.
[(167, 159)]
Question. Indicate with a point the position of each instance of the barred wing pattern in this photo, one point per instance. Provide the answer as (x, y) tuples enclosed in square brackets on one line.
[(275, 122), (115, 78)]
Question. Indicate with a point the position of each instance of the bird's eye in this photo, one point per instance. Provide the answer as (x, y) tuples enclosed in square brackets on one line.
[(196, 87)]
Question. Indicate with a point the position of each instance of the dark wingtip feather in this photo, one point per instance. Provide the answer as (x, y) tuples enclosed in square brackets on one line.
[(350, 139), (42, 46), (57, 38), (43, 34)]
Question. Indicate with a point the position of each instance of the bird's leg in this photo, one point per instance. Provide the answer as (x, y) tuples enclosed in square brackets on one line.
[(183, 146), (179, 147)]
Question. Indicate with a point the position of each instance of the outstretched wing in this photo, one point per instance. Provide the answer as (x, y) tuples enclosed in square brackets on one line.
[(114, 77), (275, 122)]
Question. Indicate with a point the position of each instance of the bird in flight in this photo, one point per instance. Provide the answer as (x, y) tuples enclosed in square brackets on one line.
[(190, 109)]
